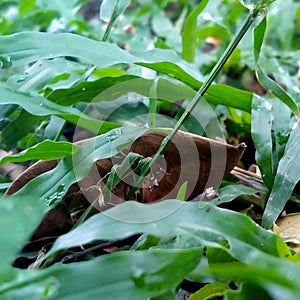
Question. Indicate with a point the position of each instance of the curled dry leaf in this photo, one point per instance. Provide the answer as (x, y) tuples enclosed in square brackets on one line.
[(199, 161)]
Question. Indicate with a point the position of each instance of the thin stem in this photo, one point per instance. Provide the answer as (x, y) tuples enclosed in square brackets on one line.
[(212, 76), (152, 104)]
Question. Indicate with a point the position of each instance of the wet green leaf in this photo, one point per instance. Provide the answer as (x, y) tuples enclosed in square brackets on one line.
[(262, 118), (263, 78), (45, 150), (121, 275)]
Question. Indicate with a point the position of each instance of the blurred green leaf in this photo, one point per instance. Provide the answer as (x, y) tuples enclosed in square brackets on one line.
[(121, 275), (256, 4), (109, 6), (45, 150), (189, 33), (25, 6), (19, 216), (210, 290), (281, 283)]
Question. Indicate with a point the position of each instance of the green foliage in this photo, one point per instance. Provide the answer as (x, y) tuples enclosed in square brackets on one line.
[(45, 150), (104, 71)]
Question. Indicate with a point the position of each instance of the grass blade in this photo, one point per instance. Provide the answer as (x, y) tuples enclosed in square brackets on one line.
[(189, 33), (261, 127), (263, 78), (45, 150), (288, 175)]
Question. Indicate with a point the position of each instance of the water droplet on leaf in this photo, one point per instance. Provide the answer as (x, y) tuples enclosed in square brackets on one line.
[(54, 199), (5, 62)]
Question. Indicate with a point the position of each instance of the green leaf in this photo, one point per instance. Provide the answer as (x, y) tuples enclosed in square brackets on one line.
[(109, 6), (45, 150), (108, 89), (263, 78), (25, 6), (182, 192), (189, 33), (203, 223), (231, 192), (261, 127), (210, 291), (257, 5), (18, 129), (216, 94), (121, 275), (288, 175), (52, 186), (282, 282), (39, 106), (19, 216), (25, 47)]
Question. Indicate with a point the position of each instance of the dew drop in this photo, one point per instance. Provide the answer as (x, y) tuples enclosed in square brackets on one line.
[(53, 199), (21, 79)]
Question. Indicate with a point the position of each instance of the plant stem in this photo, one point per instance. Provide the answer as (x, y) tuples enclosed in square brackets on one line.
[(212, 76), (152, 104)]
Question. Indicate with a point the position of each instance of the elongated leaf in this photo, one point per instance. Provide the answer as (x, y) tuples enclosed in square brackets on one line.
[(39, 106), (18, 128), (45, 45), (108, 7), (210, 290), (189, 33), (216, 94), (20, 216), (52, 186), (170, 218), (108, 88), (121, 275), (231, 192), (25, 47), (42, 72), (263, 78), (45, 150), (288, 175), (261, 127), (282, 283)]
